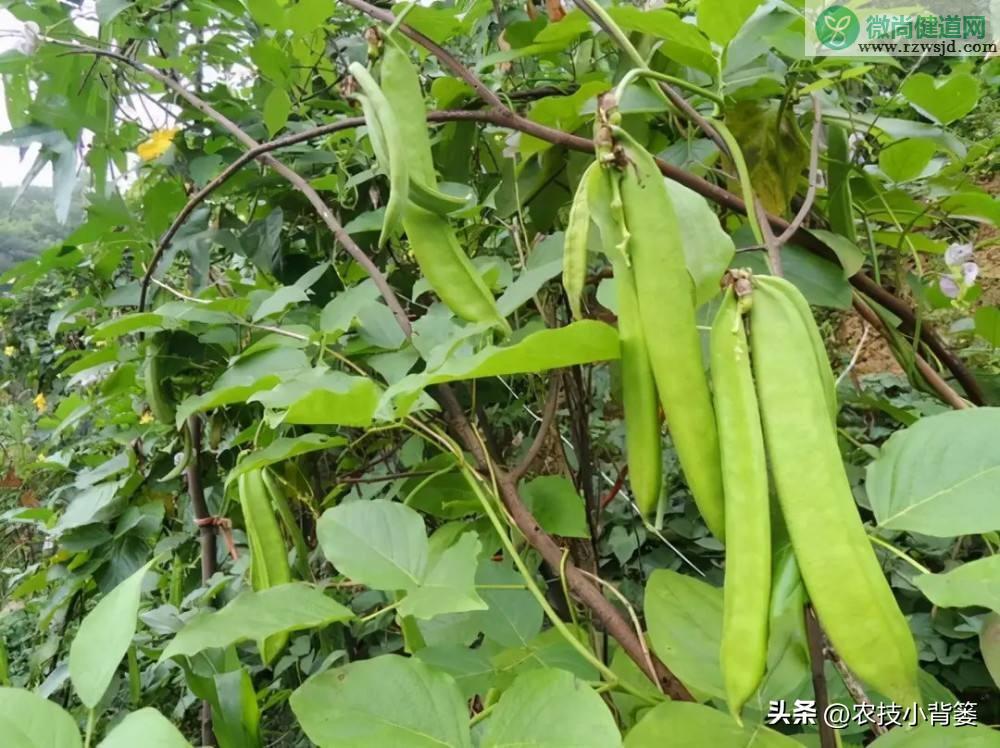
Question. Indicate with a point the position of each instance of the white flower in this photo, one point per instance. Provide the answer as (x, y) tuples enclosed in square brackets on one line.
[(970, 271), (956, 254), (30, 39)]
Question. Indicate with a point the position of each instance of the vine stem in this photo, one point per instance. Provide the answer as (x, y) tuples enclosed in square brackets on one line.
[(89, 734), (899, 553)]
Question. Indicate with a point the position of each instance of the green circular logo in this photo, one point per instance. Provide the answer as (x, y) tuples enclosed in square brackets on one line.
[(837, 27)]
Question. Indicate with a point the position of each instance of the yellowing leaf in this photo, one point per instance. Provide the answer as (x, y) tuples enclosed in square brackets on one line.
[(158, 143)]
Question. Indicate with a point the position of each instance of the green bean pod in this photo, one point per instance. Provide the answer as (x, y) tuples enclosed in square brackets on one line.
[(443, 262), (795, 297), (448, 270), (642, 417), (747, 584), (384, 126), (574, 274), (667, 309), (840, 571), (268, 554), (161, 404)]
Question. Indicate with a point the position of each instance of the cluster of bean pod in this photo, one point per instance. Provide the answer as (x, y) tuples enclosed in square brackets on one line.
[(772, 405), (624, 196), (396, 122), (775, 407)]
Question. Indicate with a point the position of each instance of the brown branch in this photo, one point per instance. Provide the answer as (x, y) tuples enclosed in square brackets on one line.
[(206, 538), (545, 425), (817, 663), (586, 591), (854, 688), (935, 380)]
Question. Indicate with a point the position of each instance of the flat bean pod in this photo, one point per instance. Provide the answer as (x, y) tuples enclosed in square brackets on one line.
[(747, 584), (841, 573), (574, 274), (379, 116), (667, 308), (642, 418)]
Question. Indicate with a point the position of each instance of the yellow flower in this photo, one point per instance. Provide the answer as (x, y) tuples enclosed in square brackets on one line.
[(9, 351), (42, 457), (158, 143), (146, 417), (40, 402)]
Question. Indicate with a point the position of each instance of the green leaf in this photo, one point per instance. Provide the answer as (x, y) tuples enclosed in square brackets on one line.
[(245, 376), (721, 20), (685, 43), (280, 300), (324, 397), (284, 448), (822, 282), (684, 619), (449, 585), (146, 727), (277, 107), (40, 722), (581, 342), (708, 249), (514, 617), (471, 668), (852, 259), (104, 638), (256, 616), (384, 701), (976, 583), (989, 645), (906, 160), (550, 708), (976, 206), (693, 724), (939, 476), (926, 736), (381, 544), (943, 99), (554, 502)]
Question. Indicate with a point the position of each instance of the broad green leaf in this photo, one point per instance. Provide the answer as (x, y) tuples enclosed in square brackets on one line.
[(852, 259), (943, 99), (146, 727), (449, 585), (256, 616), (95, 504), (906, 160), (556, 505), (976, 206), (550, 709), (471, 668), (989, 645), (976, 583), (245, 376), (324, 397), (384, 701), (284, 448), (684, 622), (822, 282), (104, 638), (277, 107), (381, 544), (708, 249), (926, 736), (721, 20), (514, 617), (696, 725), (40, 722), (279, 300), (126, 324), (549, 649), (939, 476), (581, 342), (684, 42)]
